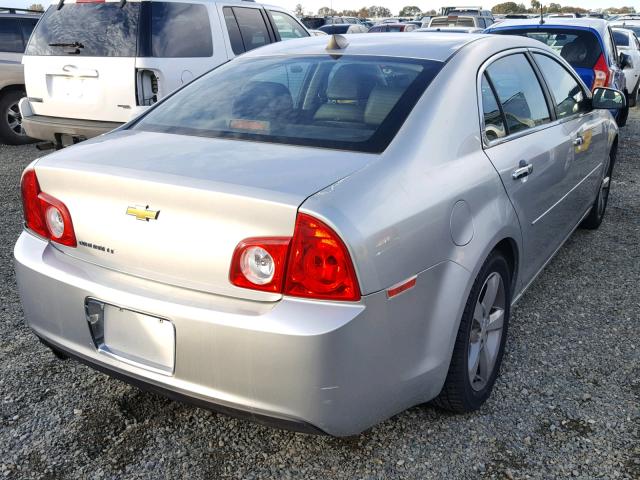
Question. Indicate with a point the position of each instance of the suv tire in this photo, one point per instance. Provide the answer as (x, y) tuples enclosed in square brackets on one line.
[(11, 131)]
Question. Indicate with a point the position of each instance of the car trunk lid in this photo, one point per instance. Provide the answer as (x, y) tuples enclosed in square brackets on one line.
[(174, 213)]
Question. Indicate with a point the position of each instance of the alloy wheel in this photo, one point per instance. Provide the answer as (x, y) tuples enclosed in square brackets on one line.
[(14, 119), (486, 331)]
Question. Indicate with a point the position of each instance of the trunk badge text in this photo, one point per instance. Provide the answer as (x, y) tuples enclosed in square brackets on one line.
[(143, 213)]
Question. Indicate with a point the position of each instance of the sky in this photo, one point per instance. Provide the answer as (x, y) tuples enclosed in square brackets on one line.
[(393, 5)]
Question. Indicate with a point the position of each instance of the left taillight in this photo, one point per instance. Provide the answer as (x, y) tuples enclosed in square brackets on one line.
[(601, 73), (44, 214)]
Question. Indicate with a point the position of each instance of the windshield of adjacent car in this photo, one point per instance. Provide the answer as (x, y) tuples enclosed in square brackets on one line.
[(580, 48), (345, 102)]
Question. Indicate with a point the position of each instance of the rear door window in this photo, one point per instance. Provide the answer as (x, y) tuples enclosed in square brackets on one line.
[(286, 26), (253, 28), (180, 30), (235, 38), (569, 98), (87, 29), (581, 48), (10, 36), (519, 92)]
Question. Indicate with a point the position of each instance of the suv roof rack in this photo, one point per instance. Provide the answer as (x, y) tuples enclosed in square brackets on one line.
[(15, 10)]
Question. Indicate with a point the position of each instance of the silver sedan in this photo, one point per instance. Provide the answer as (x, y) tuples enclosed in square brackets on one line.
[(323, 232)]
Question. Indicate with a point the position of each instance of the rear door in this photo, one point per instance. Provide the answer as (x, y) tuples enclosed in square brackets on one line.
[(529, 150), (80, 61)]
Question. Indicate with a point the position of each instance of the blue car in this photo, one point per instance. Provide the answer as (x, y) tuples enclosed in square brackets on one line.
[(586, 43)]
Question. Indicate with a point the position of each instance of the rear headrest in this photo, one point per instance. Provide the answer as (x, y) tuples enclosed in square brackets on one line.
[(575, 51), (380, 103), (268, 100), (351, 82)]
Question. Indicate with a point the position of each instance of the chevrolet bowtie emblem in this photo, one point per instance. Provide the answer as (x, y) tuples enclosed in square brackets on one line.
[(143, 213)]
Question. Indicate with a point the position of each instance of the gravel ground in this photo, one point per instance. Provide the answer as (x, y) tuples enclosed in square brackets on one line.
[(566, 405)]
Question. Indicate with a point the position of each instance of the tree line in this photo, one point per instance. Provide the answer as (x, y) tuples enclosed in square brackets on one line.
[(513, 7)]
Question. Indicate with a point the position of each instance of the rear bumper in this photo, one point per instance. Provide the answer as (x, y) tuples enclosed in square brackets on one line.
[(50, 128), (313, 366)]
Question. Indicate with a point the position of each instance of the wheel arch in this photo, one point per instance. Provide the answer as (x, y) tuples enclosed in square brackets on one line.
[(13, 87), (509, 248)]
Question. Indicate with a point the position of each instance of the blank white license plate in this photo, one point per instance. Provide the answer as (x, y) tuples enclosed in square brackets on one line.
[(135, 337)]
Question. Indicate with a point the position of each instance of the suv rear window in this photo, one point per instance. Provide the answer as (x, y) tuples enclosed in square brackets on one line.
[(344, 102), (580, 48), (87, 29)]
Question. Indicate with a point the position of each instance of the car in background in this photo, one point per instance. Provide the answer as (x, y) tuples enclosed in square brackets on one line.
[(586, 43), (92, 66), (16, 26), (314, 23), (564, 15), (343, 29), (393, 27), (463, 17), (633, 25), (274, 239), (455, 19), (626, 41), (316, 33), (451, 30), (424, 21)]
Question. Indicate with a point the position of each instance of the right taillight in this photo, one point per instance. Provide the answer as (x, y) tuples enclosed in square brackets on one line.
[(318, 264), (43, 214), (601, 73)]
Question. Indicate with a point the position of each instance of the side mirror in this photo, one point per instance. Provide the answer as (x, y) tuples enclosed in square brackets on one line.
[(608, 99), (625, 61)]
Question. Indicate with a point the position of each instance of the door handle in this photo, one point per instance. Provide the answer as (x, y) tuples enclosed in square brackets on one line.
[(522, 171), (578, 141)]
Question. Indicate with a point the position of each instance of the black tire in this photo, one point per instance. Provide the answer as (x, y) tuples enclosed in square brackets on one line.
[(11, 132), (457, 394), (599, 207)]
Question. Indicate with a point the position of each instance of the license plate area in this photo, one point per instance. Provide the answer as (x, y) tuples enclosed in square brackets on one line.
[(132, 337)]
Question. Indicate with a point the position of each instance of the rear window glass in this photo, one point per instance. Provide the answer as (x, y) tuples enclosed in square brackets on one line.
[(180, 30), (10, 36), (621, 39), (87, 29), (580, 48), (346, 102)]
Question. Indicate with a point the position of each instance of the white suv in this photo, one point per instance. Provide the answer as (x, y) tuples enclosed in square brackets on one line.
[(91, 66)]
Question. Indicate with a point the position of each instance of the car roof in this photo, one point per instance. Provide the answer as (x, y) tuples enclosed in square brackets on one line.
[(597, 24), (439, 46)]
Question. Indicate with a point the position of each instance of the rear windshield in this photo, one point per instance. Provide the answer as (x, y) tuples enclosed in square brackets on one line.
[(580, 48), (87, 29), (344, 102), (452, 22), (130, 29), (621, 39)]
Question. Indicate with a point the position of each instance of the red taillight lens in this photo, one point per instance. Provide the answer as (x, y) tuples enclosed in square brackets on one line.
[(319, 263), (45, 215), (601, 73), (259, 263), (33, 217)]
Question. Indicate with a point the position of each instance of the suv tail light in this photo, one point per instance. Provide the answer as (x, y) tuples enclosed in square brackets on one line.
[(315, 263), (147, 87), (45, 215), (601, 73)]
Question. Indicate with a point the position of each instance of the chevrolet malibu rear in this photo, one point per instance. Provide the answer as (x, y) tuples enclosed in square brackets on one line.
[(297, 237)]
